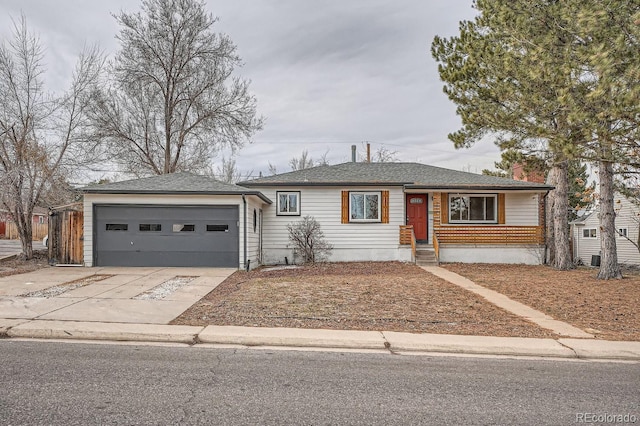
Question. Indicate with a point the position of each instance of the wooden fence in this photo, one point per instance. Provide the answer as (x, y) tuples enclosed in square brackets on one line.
[(40, 230), (408, 237), (66, 237), (490, 234)]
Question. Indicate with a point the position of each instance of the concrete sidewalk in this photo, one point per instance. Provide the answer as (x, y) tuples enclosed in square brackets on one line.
[(382, 341)]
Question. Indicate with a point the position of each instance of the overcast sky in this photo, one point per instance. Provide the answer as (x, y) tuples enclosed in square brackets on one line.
[(327, 74)]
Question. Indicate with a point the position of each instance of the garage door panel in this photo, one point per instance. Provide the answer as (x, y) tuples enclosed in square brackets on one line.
[(169, 259), (146, 235)]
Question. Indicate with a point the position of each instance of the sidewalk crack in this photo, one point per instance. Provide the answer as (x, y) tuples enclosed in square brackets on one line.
[(570, 348)]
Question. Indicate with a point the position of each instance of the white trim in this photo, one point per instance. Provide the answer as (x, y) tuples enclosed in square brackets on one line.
[(365, 194), (480, 195), (280, 212)]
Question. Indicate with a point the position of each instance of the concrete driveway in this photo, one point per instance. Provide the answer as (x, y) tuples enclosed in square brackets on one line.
[(109, 294)]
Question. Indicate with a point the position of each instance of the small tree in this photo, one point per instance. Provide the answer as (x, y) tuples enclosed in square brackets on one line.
[(308, 240)]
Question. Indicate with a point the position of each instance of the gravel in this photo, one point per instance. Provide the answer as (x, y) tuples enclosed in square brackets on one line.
[(59, 289), (165, 289)]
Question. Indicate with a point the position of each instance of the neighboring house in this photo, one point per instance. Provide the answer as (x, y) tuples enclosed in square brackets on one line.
[(585, 233), (363, 209)]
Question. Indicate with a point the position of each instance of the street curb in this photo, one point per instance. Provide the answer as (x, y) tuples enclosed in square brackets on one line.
[(42, 329), (478, 345), (601, 349), (394, 342), (318, 338)]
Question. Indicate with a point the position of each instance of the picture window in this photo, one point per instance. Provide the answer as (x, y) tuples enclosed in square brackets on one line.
[(473, 208)]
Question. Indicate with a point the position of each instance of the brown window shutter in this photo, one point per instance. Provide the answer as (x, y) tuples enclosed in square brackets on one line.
[(444, 207), (501, 209), (385, 206), (345, 206)]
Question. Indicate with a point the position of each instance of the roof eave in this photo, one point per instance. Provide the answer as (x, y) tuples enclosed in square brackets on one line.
[(267, 184), (405, 185), (482, 187), (155, 192)]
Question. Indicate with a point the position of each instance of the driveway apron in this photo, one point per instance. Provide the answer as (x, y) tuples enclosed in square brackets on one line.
[(110, 295)]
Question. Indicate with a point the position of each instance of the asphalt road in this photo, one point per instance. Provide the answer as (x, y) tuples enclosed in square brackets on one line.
[(72, 383)]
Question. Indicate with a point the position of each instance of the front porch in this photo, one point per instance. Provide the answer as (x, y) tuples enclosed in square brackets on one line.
[(499, 241)]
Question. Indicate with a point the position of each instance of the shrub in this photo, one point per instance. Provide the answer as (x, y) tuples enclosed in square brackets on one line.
[(308, 240)]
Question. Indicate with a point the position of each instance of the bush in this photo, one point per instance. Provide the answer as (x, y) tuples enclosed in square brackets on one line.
[(308, 240)]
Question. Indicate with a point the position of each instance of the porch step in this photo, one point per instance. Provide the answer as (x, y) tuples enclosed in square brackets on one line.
[(426, 257)]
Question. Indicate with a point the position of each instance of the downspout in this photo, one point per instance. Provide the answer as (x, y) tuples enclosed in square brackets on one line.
[(244, 232)]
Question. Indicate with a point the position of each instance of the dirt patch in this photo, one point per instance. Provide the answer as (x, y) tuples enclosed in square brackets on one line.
[(354, 296), (608, 309), (18, 266)]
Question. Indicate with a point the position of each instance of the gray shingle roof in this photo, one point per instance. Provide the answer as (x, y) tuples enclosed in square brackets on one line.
[(411, 175), (176, 183)]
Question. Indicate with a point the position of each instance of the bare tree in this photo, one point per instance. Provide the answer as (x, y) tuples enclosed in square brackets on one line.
[(323, 160), (380, 155), (172, 102), (43, 137), (228, 172), (303, 162), (308, 240), (272, 169)]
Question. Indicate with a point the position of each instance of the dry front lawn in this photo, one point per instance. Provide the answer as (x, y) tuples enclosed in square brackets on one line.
[(354, 296), (608, 309)]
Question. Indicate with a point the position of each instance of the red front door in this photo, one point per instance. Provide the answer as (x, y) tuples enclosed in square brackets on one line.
[(417, 215)]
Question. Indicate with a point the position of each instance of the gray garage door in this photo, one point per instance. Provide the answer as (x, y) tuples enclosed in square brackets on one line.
[(166, 236)]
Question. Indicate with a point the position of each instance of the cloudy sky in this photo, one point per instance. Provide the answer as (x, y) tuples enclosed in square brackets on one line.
[(327, 74)]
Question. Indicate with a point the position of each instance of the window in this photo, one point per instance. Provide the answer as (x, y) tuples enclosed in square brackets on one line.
[(623, 232), (255, 220), (364, 207), (288, 203), (589, 233), (472, 208), (150, 227), (179, 227), (217, 228), (40, 219), (117, 227)]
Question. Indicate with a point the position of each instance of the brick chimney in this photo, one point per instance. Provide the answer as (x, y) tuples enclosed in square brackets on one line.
[(519, 173)]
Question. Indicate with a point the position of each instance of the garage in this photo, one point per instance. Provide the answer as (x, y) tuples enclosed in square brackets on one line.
[(178, 219), (136, 235)]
